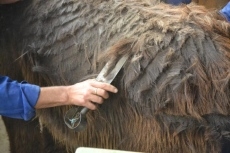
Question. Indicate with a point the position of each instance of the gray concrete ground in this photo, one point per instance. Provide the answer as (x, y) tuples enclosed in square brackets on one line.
[(4, 143)]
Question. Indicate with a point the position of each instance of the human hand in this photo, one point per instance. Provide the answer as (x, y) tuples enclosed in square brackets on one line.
[(89, 92)]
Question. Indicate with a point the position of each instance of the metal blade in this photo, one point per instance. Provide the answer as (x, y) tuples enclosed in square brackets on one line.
[(113, 73)]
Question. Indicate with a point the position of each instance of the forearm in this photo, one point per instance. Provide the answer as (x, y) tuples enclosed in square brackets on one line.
[(52, 96), (19, 100), (79, 94)]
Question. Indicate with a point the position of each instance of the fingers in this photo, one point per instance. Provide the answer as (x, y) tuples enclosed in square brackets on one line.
[(104, 86), (101, 92), (101, 89), (92, 101), (90, 105), (96, 99), (89, 92)]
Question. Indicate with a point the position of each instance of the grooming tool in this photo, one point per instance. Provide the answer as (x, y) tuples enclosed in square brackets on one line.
[(75, 118)]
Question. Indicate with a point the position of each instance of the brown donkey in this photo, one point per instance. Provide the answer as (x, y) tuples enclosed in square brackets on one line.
[(173, 91)]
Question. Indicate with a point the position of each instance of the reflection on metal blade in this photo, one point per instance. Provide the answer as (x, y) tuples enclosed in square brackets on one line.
[(113, 73)]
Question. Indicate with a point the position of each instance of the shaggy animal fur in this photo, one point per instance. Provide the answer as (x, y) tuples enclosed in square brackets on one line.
[(173, 91)]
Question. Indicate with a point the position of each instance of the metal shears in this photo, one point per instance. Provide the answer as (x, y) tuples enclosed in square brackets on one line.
[(76, 119)]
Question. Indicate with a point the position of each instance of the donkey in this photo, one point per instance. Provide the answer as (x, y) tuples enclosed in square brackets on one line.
[(173, 90)]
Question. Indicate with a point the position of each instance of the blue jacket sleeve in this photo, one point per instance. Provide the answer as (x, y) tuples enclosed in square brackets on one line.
[(17, 100), (177, 2), (225, 11)]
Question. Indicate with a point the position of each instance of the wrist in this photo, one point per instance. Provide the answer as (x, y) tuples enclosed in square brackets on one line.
[(62, 95)]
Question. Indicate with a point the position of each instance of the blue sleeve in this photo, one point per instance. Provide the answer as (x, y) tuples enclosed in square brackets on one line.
[(17, 100), (225, 11), (177, 2)]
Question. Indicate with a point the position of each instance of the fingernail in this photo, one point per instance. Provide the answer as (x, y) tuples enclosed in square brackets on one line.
[(115, 90)]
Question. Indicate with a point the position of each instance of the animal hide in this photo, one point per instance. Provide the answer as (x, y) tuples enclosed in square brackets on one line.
[(173, 91)]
